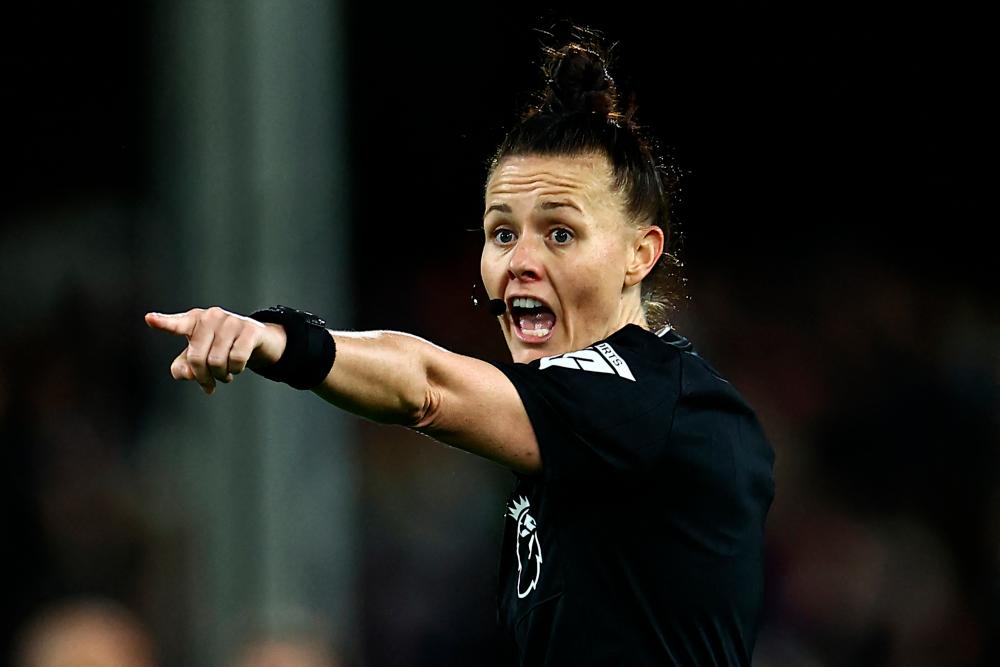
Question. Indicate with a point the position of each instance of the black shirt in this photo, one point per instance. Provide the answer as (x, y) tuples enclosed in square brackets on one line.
[(640, 542)]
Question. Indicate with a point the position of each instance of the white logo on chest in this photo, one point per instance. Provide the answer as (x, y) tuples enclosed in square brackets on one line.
[(529, 549)]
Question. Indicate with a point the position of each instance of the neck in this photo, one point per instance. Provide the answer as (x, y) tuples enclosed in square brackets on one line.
[(630, 310)]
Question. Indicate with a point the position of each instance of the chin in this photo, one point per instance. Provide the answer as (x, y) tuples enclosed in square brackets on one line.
[(522, 353), (524, 349), (523, 356)]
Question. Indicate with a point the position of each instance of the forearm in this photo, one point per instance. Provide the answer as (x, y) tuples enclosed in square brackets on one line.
[(385, 376), (380, 375)]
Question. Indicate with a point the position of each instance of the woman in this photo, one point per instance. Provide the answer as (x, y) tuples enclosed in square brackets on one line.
[(635, 530)]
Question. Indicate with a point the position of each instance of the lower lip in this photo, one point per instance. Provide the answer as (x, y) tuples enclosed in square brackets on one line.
[(528, 338)]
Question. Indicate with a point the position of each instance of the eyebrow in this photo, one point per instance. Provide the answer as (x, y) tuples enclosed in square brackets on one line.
[(545, 206), (502, 208), (549, 205)]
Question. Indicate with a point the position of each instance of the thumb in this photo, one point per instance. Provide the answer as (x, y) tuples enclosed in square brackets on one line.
[(181, 324)]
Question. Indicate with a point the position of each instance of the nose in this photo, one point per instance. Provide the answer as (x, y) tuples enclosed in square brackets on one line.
[(525, 260)]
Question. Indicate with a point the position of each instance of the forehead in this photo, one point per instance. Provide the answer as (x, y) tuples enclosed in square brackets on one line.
[(586, 176)]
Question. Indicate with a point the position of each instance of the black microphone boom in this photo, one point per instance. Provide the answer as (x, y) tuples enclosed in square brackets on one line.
[(497, 307)]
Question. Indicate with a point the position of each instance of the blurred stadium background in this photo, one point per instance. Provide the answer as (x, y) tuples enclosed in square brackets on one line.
[(330, 155)]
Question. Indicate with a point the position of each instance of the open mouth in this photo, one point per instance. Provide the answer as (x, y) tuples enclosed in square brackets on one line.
[(533, 321)]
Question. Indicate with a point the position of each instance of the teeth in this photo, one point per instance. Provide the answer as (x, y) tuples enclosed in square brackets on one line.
[(537, 333), (527, 302)]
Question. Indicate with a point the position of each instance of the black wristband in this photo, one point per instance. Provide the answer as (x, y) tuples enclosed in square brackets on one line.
[(309, 348)]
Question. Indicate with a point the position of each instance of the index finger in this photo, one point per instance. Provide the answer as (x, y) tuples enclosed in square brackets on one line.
[(180, 324)]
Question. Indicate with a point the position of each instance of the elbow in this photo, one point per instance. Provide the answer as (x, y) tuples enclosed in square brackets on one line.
[(424, 414)]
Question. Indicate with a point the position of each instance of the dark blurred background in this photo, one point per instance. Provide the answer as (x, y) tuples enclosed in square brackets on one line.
[(165, 155)]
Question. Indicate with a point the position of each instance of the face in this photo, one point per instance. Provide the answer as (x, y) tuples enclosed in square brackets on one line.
[(560, 253)]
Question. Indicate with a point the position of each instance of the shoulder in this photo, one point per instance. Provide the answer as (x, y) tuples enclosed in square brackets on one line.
[(606, 406)]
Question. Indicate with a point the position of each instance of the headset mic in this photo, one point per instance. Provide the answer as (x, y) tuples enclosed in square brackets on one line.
[(496, 307)]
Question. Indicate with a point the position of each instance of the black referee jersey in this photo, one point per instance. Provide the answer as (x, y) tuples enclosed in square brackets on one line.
[(640, 542)]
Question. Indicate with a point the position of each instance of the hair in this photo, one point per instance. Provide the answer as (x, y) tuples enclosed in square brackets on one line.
[(578, 113)]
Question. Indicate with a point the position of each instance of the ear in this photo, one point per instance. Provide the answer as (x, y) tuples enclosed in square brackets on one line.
[(647, 247)]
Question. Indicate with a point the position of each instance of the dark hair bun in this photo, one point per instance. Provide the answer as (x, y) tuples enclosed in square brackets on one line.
[(578, 82)]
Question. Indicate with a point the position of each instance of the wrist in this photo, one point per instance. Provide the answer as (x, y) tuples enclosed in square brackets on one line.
[(271, 348), (302, 351)]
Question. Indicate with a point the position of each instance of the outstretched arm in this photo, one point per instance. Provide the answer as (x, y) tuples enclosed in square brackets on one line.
[(386, 376)]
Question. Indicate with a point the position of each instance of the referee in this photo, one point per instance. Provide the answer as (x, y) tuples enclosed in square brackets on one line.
[(634, 533)]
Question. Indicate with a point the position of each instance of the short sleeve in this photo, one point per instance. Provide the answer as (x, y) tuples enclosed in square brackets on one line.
[(606, 409)]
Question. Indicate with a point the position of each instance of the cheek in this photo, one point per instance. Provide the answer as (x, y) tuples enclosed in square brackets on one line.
[(585, 299), (491, 271), (595, 281)]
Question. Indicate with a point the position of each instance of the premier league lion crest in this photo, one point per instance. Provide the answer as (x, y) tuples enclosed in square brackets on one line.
[(529, 549)]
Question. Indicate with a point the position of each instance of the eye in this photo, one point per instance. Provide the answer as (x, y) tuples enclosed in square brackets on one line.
[(503, 236), (561, 235)]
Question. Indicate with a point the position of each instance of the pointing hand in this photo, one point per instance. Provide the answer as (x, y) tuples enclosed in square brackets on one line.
[(220, 344)]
